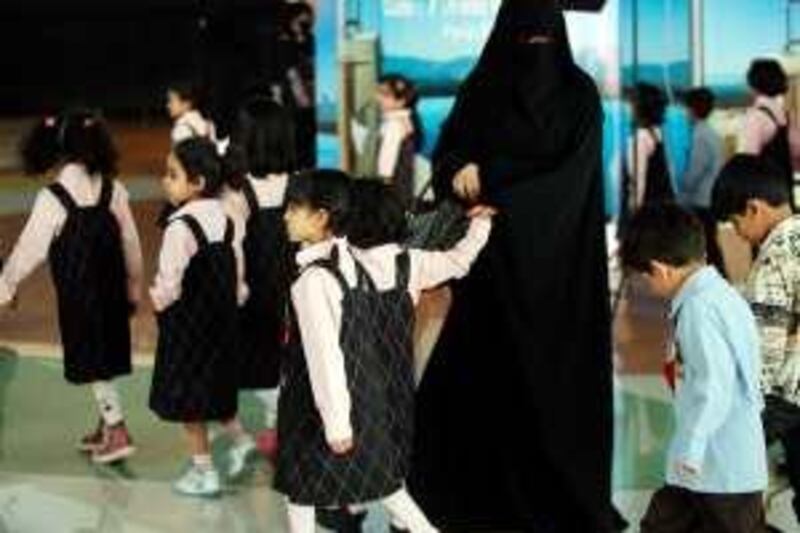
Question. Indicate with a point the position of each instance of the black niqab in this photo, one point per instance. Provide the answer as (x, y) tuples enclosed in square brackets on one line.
[(514, 413)]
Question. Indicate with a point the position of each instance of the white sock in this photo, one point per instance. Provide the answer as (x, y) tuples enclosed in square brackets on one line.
[(108, 402), (203, 462), (302, 519), (403, 510), (269, 397)]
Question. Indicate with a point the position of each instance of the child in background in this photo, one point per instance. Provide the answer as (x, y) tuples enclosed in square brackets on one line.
[(716, 463), (705, 162), (766, 130), (751, 193), (196, 294), (82, 223), (183, 106), (264, 136), (647, 175), (347, 393), (400, 134)]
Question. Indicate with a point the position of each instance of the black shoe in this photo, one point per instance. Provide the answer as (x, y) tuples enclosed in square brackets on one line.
[(341, 520), (618, 521)]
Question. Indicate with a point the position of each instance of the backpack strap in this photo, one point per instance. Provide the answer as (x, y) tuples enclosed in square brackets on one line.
[(228, 230), (106, 193), (402, 264), (63, 196), (196, 229), (331, 264), (250, 195), (767, 111)]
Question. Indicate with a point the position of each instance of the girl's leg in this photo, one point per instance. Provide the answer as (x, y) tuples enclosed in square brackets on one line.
[(108, 402), (404, 511), (302, 519), (201, 479), (242, 447)]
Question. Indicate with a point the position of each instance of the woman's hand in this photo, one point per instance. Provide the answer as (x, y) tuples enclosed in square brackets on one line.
[(341, 447), (467, 183), (482, 211)]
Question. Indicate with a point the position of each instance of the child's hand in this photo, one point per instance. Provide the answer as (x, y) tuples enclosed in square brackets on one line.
[(341, 447), (482, 211)]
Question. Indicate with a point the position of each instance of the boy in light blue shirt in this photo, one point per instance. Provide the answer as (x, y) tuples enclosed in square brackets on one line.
[(717, 468)]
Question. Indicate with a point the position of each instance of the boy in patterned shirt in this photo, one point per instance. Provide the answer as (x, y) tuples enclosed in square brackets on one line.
[(752, 194)]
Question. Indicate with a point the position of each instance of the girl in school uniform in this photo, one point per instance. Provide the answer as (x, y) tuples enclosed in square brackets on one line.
[(264, 139), (347, 382), (196, 294), (766, 129), (400, 134), (82, 224), (183, 106)]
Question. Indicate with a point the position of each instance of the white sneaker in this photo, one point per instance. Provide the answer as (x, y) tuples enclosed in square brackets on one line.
[(203, 482), (238, 456)]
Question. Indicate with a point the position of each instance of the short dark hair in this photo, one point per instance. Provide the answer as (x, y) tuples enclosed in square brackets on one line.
[(377, 216), (326, 189), (767, 77), (73, 136), (663, 232), (198, 157), (744, 178), (650, 105), (700, 101), (190, 91), (265, 131)]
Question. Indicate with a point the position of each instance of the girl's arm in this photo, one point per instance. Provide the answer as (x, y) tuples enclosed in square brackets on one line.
[(176, 251), (236, 208), (33, 244), (432, 268), (391, 141), (317, 300), (131, 245)]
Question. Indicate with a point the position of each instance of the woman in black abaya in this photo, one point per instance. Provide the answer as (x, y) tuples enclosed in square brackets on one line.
[(514, 428)]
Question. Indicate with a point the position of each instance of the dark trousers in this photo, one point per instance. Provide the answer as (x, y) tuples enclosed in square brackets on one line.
[(791, 445), (677, 510)]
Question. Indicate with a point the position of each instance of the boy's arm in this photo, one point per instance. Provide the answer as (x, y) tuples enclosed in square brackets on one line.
[(317, 300), (770, 292), (709, 385), (432, 268), (33, 244)]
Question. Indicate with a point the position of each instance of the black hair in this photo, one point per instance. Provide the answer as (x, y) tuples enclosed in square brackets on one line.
[(326, 189), (265, 132), (74, 136), (767, 77), (666, 233), (377, 216), (405, 90), (744, 178), (189, 91), (650, 105), (700, 101), (199, 158)]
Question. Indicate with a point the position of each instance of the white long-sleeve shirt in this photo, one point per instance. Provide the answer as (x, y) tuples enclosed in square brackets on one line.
[(47, 219), (179, 246), (640, 148), (395, 127), (270, 193), (192, 124), (317, 299)]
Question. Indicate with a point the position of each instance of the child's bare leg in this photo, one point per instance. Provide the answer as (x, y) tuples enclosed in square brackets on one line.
[(404, 511), (197, 440), (302, 519)]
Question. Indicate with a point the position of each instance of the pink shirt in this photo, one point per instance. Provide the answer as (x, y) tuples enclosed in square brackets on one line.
[(639, 151), (192, 124), (47, 218), (179, 246), (317, 299), (758, 129)]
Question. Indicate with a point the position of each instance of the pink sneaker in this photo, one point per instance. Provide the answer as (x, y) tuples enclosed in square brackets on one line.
[(267, 444), (93, 441), (117, 445)]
